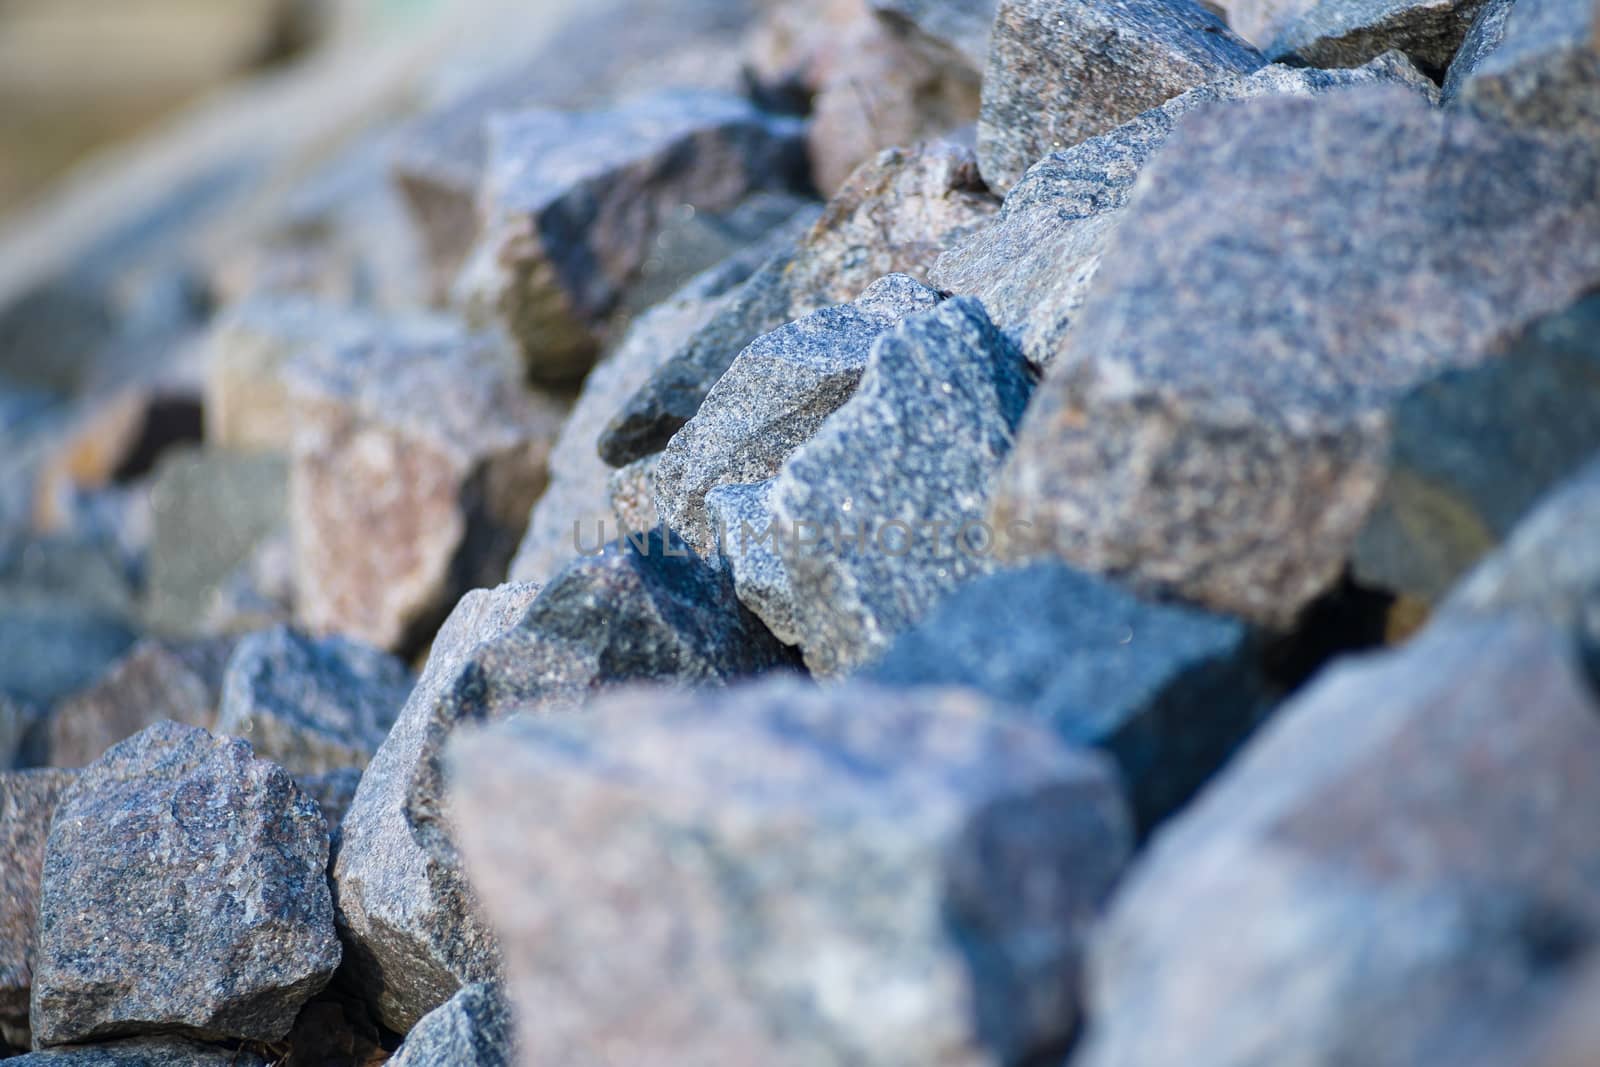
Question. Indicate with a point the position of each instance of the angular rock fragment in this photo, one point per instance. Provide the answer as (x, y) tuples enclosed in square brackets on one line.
[(313, 706), (576, 502), (632, 492), (1535, 65), (752, 856), (1033, 265), (747, 539), (1354, 870), (156, 680), (572, 204), (881, 512), (1347, 33), (1168, 691), (1062, 72), (1229, 450), (416, 461), (773, 399), (184, 891), (1472, 449), (212, 509), (961, 26), (412, 929), (28, 800), (143, 1052), (896, 214), (248, 405), (471, 1029)]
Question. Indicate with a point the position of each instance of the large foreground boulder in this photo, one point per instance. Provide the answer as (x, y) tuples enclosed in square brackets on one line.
[(184, 890), (784, 875)]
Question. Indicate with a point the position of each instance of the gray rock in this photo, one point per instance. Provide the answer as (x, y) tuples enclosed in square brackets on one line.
[(28, 800), (632, 494), (334, 791), (17, 721), (1549, 566), (772, 400), (409, 922), (312, 705), (572, 205), (576, 501), (1167, 691), (1347, 33), (417, 458), (1060, 73), (1472, 449), (184, 890), (212, 509), (471, 1029), (1033, 266), (773, 876), (142, 1052), (1236, 449), (747, 538), (1354, 872), (1535, 65), (896, 214), (960, 26), (156, 680), (880, 513)]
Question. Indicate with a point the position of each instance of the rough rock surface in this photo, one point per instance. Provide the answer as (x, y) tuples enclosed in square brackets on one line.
[(747, 536), (142, 1052), (1033, 265), (895, 215), (28, 800), (879, 514), (417, 458), (631, 491), (1229, 451), (471, 1029), (1387, 916), (412, 930), (1060, 73), (575, 503), (334, 791), (1534, 64), (1472, 449), (1168, 691), (177, 680), (1347, 33), (774, 877), (184, 890), (572, 204), (212, 509), (772, 400), (311, 705)]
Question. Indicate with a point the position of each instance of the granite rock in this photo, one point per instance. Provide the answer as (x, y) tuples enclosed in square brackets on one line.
[(1062, 72), (773, 876), (143, 1052), (1347, 33), (212, 509), (896, 214), (576, 501), (28, 800), (572, 204), (417, 458), (881, 512), (156, 680), (1167, 691), (1472, 449), (1033, 266), (334, 791), (1535, 65), (471, 1029), (1354, 872), (411, 928), (311, 705), (631, 491), (747, 536), (960, 26), (773, 399), (184, 891), (1236, 443)]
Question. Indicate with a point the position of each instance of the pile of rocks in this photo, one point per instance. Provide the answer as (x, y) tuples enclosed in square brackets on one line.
[(910, 532)]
